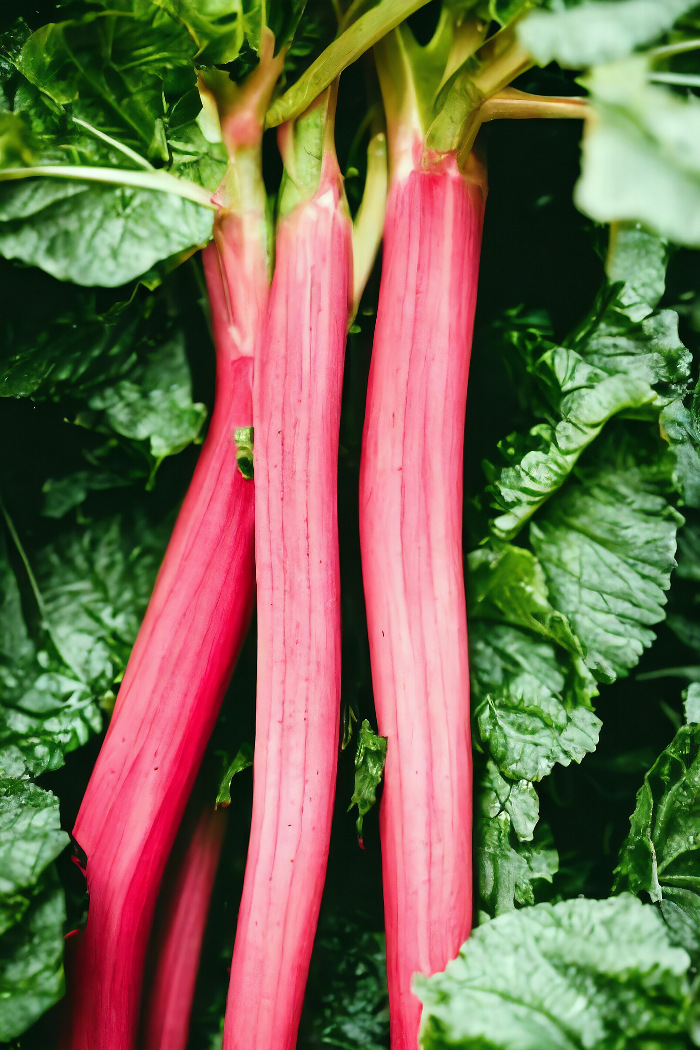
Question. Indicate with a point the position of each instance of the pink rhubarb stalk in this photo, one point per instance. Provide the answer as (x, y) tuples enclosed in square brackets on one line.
[(411, 540), (297, 398), (179, 948), (193, 630)]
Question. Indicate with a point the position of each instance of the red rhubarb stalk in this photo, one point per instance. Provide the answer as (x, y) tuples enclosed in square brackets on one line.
[(297, 398), (193, 630), (179, 949), (411, 541)]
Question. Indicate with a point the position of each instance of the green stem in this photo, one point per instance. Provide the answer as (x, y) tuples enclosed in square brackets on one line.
[(358, 38), (511, 104), (674, 49), (126, 150), (159, 181), (369, 221)]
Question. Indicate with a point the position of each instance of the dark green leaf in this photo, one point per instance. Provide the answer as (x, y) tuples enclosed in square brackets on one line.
[(216, 26), (97, 235), (352, 1010), (679, 426), (64, 494), (369, 767), (31, 962), (508, 585), (660, 856), (624, 358), (30, 839), (581, 973), (607, 547), (154, 403), (507, 859), (94, 584), (530, 701)]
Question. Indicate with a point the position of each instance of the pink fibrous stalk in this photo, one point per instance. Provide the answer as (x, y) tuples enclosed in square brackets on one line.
[(297, 399), (411, 542), (190, 638), (179, 946)]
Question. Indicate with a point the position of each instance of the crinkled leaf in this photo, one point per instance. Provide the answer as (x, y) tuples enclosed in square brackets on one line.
[(637, 259), (369, 768), (607, 547), (508, 585), (507, 859), (127, 74), (679, 425), (516, 798), (593, 32), (216, 26), (641, 159), (115, 89), (661, 852), (624, 358), (77, 347), (589, 399), (154, 403), (99, 235), (31, 962), (508, 868), (529, 701), (30, 839), (649, 351), (352, 1009), (94, 584), (581, 973)]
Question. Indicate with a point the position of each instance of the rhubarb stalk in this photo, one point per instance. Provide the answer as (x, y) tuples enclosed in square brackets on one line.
[(297, 399), (194, 627), (179, 948), (411, 542)]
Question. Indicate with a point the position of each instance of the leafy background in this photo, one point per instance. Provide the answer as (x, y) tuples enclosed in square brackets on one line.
[(105, 396)]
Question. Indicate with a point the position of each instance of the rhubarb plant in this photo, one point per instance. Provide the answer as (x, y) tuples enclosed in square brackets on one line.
[(131, 136)]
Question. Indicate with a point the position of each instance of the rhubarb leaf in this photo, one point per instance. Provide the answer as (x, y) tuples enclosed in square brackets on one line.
[(592, 32), (98, 235), (589, 399), (641, 159), (217, 27), (348, 991), (581, 973), (507, 868), (508, 861), (154, 403), (607, 547), (30, 839), (623, 358), (31, 962), (369, 768), (93, 585), (116, 90), (75, 346), (508, 585), (530, 701), (660, 856), (679, 425)]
